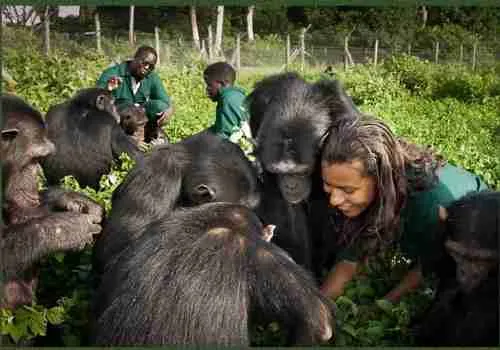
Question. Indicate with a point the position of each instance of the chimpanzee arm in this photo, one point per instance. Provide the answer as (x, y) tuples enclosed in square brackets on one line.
[(286, 292), (24, 244), (121, 143), (436, 317), (61, 200)]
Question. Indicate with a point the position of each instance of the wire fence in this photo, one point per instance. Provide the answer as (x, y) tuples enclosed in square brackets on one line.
[(277, 52)]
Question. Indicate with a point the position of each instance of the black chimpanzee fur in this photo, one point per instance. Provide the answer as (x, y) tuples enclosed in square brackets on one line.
[(290, 119), (87, 136), (34, 224), (465, 311), (201, 276), (202, 168)]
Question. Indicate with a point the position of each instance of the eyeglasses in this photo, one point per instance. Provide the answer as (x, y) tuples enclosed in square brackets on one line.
[(148, 65)]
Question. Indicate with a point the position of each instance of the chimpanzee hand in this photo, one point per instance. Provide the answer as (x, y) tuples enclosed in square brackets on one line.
[(68, 230), (75, 202)]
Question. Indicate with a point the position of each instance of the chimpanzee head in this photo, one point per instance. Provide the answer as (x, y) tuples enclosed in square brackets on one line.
[(472, 229), (95, 99), (132, 117), (290, 119), (24, 137), (218, 172)]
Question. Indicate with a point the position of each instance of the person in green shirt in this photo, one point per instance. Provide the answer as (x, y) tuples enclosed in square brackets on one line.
[(135, 82), (231, 117), (384, 190)]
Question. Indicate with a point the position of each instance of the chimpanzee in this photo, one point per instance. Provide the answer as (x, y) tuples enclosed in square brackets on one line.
[(132, 120), (201, 168), (201, 276), (289, 119), (87, 136), (465, 310), (34, 224)]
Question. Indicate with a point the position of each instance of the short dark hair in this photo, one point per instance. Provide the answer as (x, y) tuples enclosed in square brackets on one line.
[(143, 51), (221, 71)]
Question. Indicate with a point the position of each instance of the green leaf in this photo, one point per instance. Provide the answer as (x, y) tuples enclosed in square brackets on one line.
[(56, 315), (385, 305), (349, 330)]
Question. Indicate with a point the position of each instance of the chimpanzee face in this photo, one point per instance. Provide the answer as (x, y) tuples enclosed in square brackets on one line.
[(131, 118), (290, 152), (471, 268), (24, 140)]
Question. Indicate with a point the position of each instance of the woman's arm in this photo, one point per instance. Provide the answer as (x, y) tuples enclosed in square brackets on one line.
[(342, 272), (410, 282)]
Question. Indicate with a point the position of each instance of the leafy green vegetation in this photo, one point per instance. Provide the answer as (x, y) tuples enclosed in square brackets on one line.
[(454, 110)]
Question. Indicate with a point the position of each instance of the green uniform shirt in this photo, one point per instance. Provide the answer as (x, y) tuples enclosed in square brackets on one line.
[(230, 112), (420, 216), (151, 93)]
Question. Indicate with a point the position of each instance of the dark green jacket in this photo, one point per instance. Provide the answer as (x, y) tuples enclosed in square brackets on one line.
[(230, 112), (151, 93), (420, 216)]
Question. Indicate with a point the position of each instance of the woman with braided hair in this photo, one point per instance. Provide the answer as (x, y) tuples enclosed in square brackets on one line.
[(382, 190)]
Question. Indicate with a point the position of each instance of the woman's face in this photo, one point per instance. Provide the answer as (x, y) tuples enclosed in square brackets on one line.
[(348, 188)]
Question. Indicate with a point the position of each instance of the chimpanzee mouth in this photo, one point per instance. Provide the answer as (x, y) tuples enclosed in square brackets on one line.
[(295, 188)]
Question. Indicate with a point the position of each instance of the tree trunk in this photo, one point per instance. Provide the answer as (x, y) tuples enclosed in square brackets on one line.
[(98, 31), (157, 44), (425, 14), (218, 30), (238, 52), (210, 44), (251, 10), (131, 26), (194, 27), (46, 32), (302, 50)]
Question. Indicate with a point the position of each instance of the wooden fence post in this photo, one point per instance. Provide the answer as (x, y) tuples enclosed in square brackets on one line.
[(287, 59), (436, 52), (238, 52), (157, 44), (474, 55), (302, 50), (375, 53), (46, 32), (98, 31), (131, 38), (210, 43)]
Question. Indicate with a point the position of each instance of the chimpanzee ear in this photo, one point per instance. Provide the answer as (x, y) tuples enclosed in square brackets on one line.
[(100, 102), (9, 134), (333, 94), (205, 192)]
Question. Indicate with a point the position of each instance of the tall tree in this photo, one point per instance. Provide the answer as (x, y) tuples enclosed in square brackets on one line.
[(250, 13), (218, 30), (194, 27), (22, 15)]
